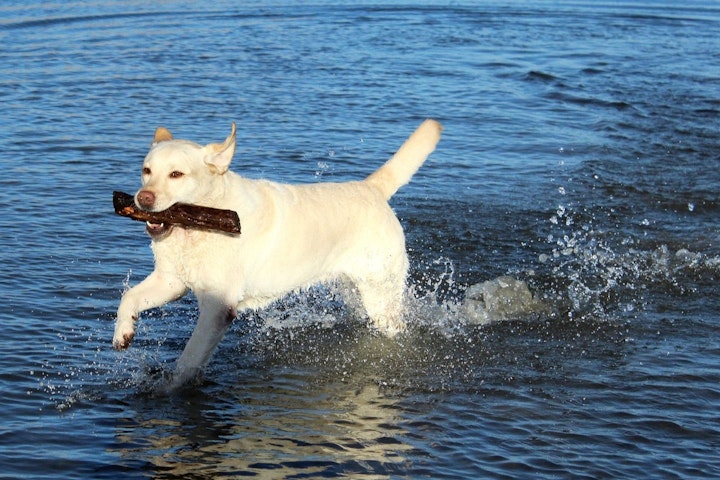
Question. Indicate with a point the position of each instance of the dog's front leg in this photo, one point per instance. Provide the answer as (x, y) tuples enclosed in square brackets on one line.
[(215, 318), (156, 290)]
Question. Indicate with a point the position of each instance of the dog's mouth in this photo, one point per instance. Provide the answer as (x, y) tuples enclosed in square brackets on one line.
[(157, 230)]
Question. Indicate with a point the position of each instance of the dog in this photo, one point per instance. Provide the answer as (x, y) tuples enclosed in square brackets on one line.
[(293, 236)]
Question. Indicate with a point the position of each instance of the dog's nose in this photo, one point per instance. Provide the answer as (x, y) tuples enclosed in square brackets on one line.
[(145, 198)]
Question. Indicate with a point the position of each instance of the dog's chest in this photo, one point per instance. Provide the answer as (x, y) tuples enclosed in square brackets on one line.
[(196, 257)]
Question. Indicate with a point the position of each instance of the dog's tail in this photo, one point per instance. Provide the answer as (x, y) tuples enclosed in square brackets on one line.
[(402, 166)]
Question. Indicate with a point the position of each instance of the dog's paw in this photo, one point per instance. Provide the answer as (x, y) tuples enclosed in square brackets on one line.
[(123, 337)]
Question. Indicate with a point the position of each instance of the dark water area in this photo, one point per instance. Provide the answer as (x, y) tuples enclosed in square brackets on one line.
[(580, 154)]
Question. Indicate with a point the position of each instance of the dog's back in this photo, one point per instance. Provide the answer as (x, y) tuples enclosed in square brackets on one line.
[(316, 232)]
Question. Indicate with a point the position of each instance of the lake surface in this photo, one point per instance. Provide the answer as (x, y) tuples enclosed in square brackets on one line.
[(581, 155)]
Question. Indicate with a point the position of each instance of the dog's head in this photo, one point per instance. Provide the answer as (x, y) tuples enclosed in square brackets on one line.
[(182, 171)]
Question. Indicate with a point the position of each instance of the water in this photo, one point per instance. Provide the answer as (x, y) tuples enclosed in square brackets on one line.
[(580, 155)]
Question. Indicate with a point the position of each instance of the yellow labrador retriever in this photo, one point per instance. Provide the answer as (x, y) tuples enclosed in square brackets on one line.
[(293, 236)]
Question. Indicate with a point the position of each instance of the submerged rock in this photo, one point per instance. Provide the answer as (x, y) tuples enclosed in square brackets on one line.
[(503, 298)]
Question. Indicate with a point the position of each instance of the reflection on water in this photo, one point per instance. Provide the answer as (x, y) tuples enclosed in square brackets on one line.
[(277, 428)]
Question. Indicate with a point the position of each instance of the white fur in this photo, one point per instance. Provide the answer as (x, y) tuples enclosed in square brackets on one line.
[(292, 236)]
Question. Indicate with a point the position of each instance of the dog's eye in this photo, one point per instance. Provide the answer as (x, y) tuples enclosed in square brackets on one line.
[(176, 174), (146, 171)]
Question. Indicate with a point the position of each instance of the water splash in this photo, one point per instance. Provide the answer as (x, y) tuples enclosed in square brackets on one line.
[(597, 272), (504, 298)]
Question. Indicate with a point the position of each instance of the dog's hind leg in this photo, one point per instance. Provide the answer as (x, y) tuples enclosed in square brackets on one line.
[(383, 302), (215, 318)]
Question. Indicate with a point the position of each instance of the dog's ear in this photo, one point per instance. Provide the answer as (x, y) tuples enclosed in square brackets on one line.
[(162, 134), (219, 155)]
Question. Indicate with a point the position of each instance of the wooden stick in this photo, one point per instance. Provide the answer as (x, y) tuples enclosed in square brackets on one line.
[(191, 216)]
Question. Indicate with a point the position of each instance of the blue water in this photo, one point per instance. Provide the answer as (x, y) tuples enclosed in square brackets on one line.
[(581, 154)]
